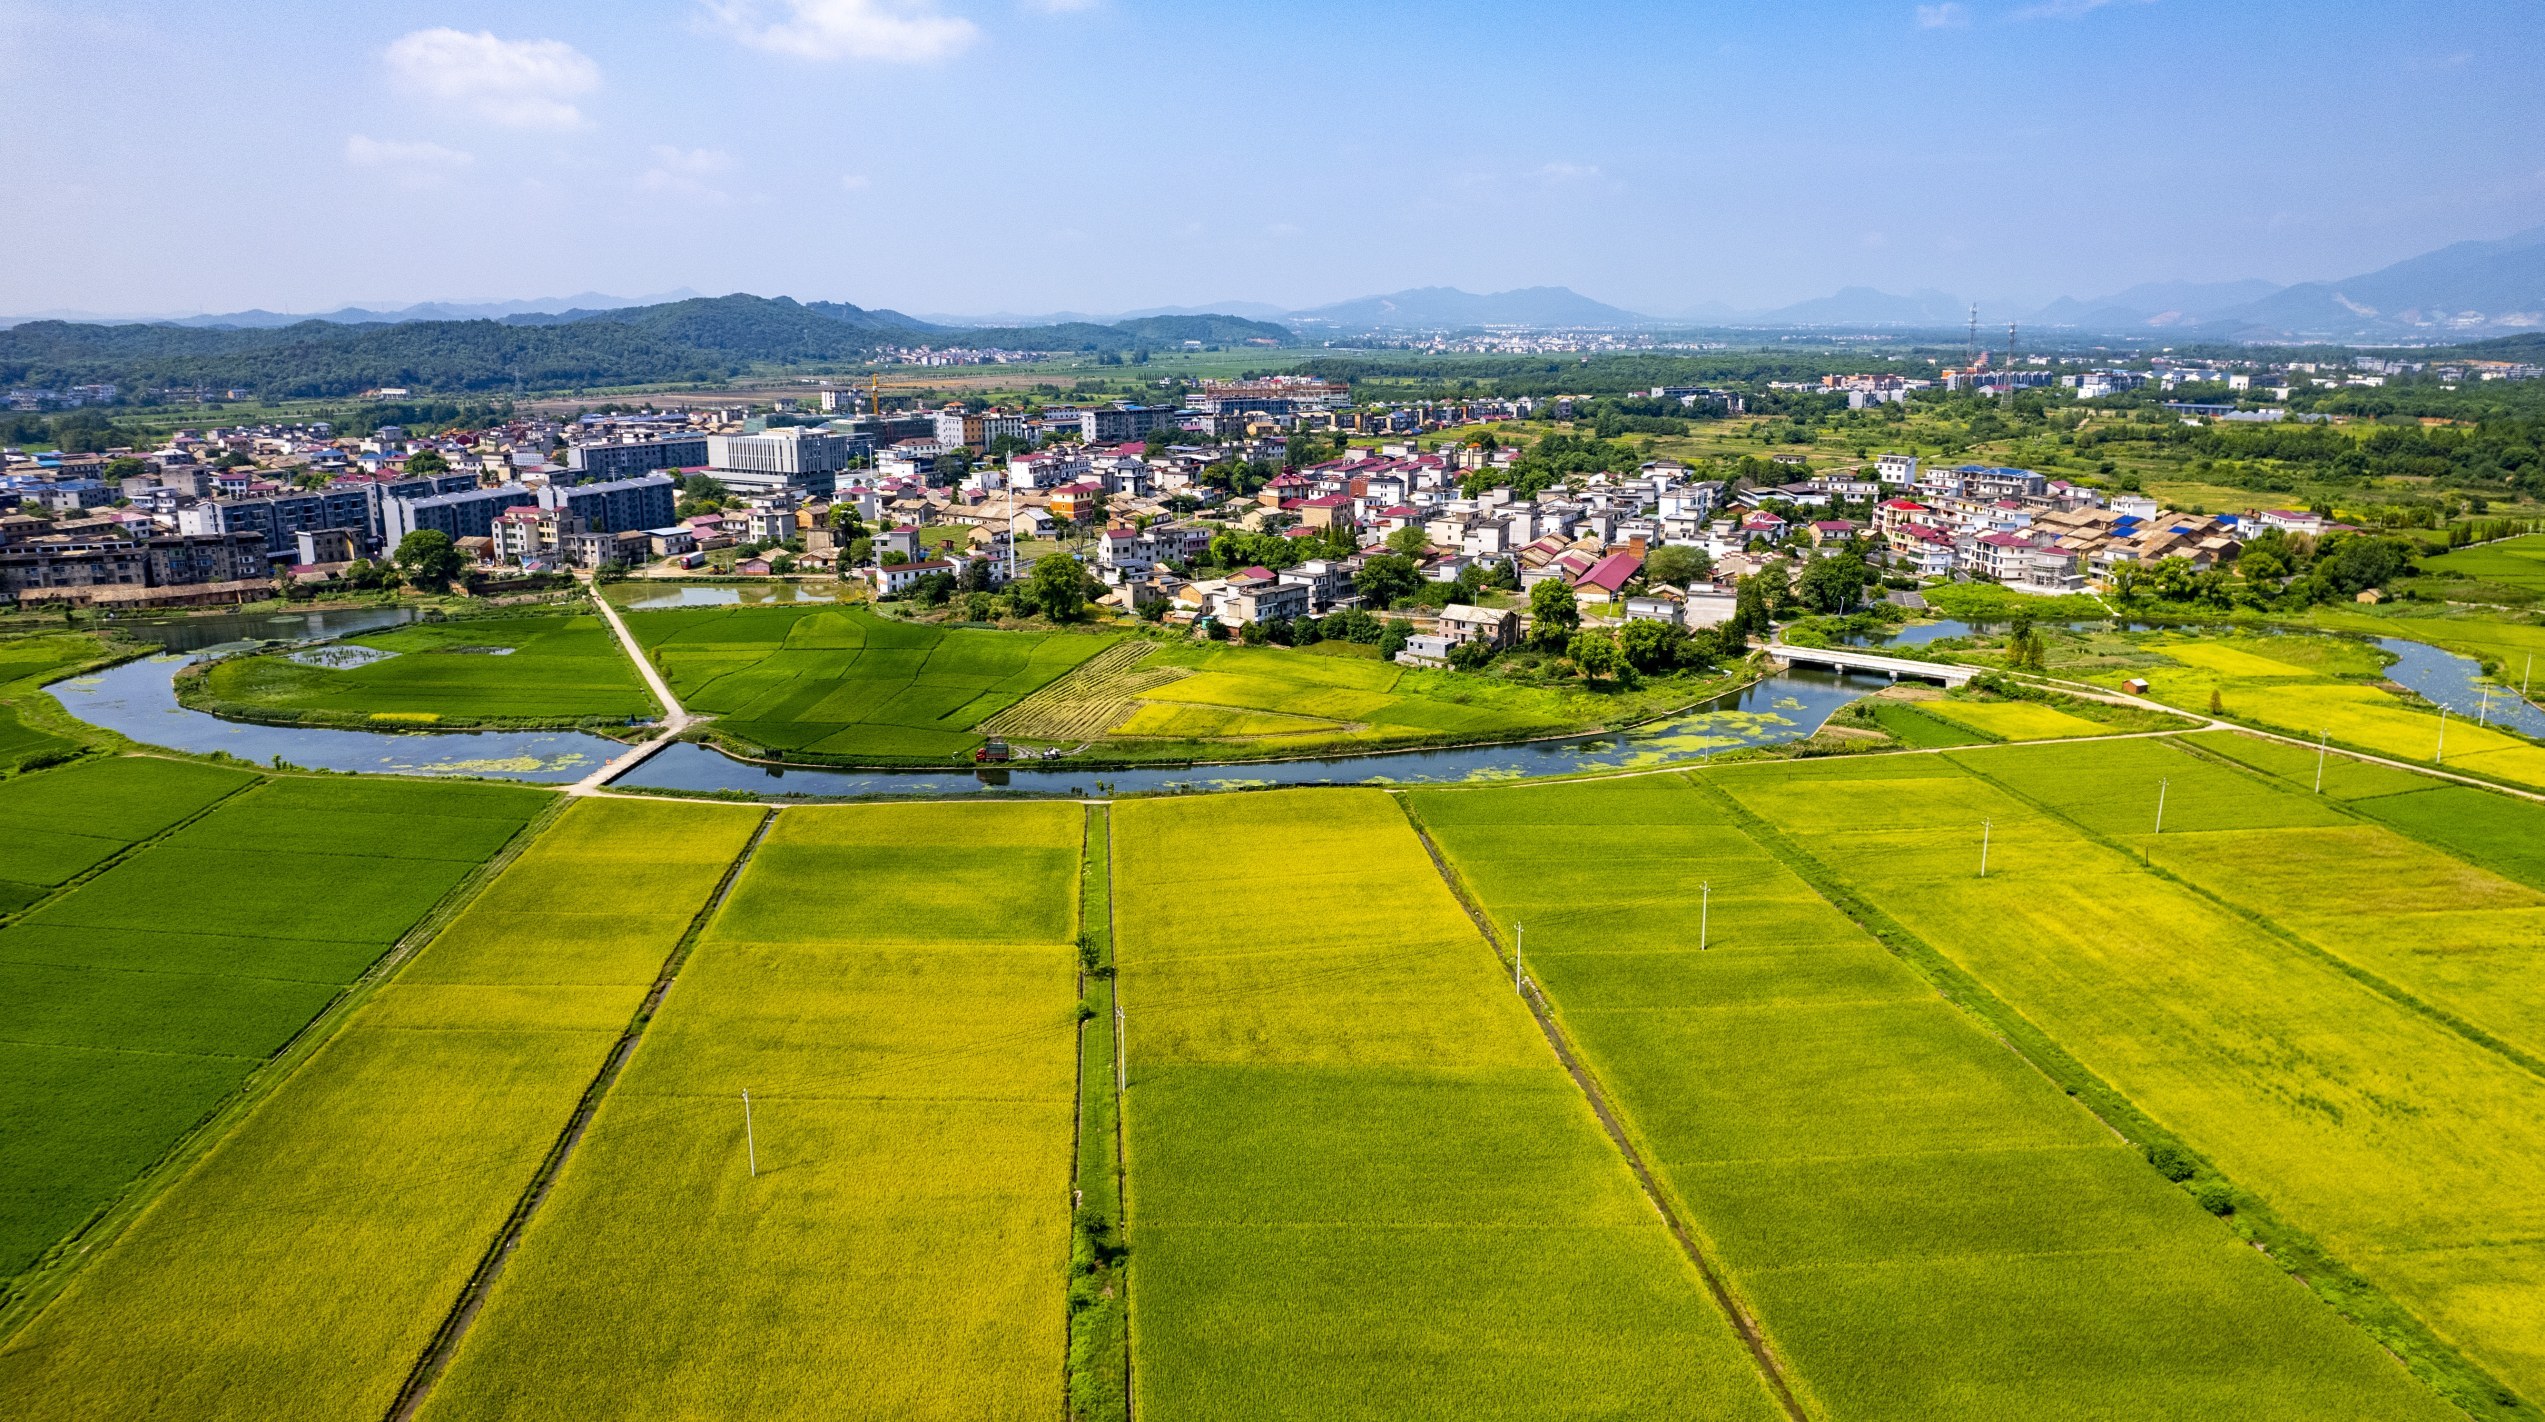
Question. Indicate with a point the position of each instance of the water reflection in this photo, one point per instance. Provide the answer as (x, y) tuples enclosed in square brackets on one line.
[(2444, 678), (635, 597)]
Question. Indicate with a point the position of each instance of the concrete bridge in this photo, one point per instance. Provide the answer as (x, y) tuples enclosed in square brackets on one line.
[(1852, 660)]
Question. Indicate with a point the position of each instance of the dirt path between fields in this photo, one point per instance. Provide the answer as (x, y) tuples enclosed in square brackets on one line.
[(446, 1339), (676, 718), (1770, 1367)]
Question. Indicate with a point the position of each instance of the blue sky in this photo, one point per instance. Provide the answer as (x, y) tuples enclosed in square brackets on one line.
[(1100, 155)]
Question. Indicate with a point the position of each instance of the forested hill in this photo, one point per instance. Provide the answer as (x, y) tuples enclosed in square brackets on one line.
[(704, 339)]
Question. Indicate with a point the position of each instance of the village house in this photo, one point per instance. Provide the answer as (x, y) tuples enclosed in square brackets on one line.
[(1497, 628)]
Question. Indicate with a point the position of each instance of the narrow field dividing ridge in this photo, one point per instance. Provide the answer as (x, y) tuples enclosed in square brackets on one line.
[(1770, 1367), (446, 1340)]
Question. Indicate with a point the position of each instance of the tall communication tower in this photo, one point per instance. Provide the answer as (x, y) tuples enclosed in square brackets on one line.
[(2010, 345), (1970, 346)]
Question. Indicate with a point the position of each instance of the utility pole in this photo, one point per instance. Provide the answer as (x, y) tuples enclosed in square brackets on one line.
[(2523, 676), (2483, 712), (1970, 343), (750, 1144), (1121, 1051), (1984, 827), (1519, 935), (2160, 804), (2321, 738), (2442, 757), (1705, 913)]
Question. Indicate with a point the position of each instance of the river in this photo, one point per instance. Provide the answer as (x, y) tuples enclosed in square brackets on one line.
[(139, 699), (1787, 706)]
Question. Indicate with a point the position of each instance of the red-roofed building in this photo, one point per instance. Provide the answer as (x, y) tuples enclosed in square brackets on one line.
[(1606, 581), (1999, 555), (1923, 550), (1894, 514), (1074, 502)]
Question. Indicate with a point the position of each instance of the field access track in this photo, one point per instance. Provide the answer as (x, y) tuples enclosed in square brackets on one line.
[(1924, 1225), (140, 998), (2413, 1153), (895, 986), (1362, 1184), (300, 1268)]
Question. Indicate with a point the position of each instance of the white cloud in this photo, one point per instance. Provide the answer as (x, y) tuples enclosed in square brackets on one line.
[(413, 165), (1560, 171), (894, 31), (518, 83), (1947, 16), (684, 172), (1062, 7), (856, 182)]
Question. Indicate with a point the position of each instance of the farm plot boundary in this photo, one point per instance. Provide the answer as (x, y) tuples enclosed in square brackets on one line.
[(32, 1291), (1753, 1338), (2401, 994), (472, 1300), (2438, 1363)]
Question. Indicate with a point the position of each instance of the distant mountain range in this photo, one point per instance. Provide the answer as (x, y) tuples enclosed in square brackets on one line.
[(1442, 307), (2472, 288), (699, 339), (2469, 291), (256, 320)]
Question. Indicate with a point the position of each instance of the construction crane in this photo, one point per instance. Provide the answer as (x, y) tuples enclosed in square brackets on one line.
[(875, 391)]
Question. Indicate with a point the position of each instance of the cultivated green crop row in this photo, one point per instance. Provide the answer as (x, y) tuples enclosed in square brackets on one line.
[(902, 1014), (1923, 1224), (1361, 1185), (545, 667), (139, 999), (2411, 1150), (844, 683), (1360, 1180), (299, 1269)]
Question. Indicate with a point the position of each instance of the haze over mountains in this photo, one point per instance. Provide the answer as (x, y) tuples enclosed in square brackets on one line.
[(2467, 290)]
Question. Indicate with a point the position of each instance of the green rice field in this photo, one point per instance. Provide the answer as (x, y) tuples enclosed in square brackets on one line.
[(26, 664), (2309, 686), (2415, 1154), (2014, 720), (299, 1268), (1924, 1225), (1361, 1185), (548, 668), (1251, 701), (143, 996), (2033, 1073), (818, 682), (900, 1248), (2512, 562)]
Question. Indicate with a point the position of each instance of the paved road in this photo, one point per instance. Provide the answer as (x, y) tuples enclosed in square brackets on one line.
[(676, 719)]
